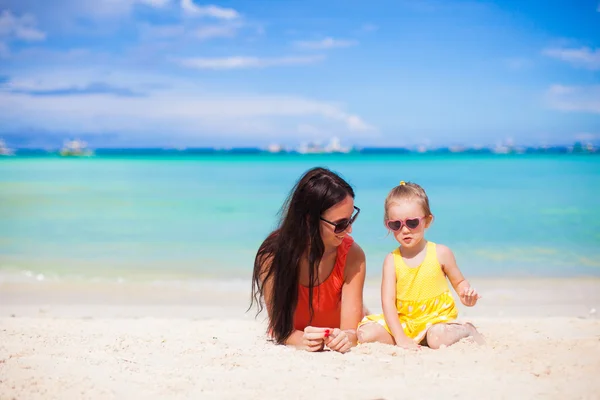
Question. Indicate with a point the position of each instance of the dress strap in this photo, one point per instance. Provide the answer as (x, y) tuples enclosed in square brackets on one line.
[(343, 249), (342, 254), (398, 263)]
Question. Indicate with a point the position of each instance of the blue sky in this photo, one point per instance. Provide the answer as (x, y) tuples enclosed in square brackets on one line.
[(254, 72)]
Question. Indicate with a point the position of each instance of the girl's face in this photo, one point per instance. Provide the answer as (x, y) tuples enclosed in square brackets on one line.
[(340, 212), (409, 210)]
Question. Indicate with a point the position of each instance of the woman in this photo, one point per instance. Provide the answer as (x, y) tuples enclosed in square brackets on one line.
[(309, 271)]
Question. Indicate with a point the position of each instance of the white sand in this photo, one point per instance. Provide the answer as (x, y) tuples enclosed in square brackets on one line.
[(60, 341)]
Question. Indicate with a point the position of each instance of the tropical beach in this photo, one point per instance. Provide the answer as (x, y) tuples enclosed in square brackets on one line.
[(129, 292), (147, 149)]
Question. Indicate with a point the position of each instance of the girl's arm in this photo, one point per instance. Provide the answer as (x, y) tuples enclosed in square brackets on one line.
[(352, 301), (468, 296), (388, 303)]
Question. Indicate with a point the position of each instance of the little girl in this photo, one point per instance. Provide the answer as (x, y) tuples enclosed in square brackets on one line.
[(418, 307)]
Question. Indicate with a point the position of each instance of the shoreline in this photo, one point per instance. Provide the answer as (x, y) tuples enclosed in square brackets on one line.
[(255, 152), (518, 297)]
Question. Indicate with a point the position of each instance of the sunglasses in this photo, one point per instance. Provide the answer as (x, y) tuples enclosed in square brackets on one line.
[(342, 225), (410, 223)]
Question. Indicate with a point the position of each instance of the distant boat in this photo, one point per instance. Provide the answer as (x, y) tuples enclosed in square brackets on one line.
[(334, 146), (501, 149), (5, 151), (310, 148), (457, 149), (75, 148), (275, 148)]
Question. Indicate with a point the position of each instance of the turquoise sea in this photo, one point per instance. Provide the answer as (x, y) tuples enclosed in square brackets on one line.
[(197, 216)]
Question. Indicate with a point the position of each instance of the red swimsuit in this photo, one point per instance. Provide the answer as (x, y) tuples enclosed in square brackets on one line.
[(327, 297)]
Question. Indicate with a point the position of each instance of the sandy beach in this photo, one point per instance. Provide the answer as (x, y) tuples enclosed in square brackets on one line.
[(155, 340)]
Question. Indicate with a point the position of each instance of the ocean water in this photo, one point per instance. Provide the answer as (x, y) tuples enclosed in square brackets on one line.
[(179, 217)]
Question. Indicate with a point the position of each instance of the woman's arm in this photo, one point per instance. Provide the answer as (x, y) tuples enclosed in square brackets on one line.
[(468, 296), (311, 339), (344, 338)]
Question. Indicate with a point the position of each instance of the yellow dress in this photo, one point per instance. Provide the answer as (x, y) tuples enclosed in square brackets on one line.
[(423, 296)]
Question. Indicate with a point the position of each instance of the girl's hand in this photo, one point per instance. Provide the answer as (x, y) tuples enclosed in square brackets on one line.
[(469, 296), (408, 344), (338, 340), (314, 338)]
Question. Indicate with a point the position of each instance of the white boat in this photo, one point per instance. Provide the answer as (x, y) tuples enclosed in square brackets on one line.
[(4, 150), (334, 146), (275, 148), (75, 148), (310, 148)]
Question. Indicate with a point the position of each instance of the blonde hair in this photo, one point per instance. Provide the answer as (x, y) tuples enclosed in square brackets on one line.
[(407, 191)]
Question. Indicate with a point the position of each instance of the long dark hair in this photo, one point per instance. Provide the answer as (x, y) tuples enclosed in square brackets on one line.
[(298, 235)]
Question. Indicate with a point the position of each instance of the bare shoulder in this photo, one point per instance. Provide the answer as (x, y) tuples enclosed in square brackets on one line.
[(355, 253), (443, 249), (355, 261), (389, 258), (444, 253), (389, 265)]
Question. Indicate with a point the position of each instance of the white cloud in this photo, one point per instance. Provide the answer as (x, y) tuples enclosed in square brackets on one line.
[(574, 98), (582, 57), (61, 59), (66, 12), (213, 11), (180, 106), (105, 8), (200, 32), (246, 62), (327, 43), (23, 27), (310, 130), (51, 81), (355, 123), (30, 34), (215, 31), (155, 3)]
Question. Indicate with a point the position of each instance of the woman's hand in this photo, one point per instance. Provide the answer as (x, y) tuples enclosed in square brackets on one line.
[(314, 338), (338, 340)]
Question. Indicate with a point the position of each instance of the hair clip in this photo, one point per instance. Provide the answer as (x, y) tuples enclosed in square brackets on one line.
[(402, 183)]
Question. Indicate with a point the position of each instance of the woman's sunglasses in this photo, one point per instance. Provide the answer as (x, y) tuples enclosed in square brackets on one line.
[(342, 225), (411, 223)]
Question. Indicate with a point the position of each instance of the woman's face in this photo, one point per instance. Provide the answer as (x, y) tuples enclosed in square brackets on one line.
[(337, 213)]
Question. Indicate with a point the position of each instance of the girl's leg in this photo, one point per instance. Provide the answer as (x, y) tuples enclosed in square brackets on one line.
[(374, 332), (447, 334)]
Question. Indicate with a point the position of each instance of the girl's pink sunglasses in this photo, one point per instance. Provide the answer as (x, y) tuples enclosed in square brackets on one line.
[(396, 225)]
